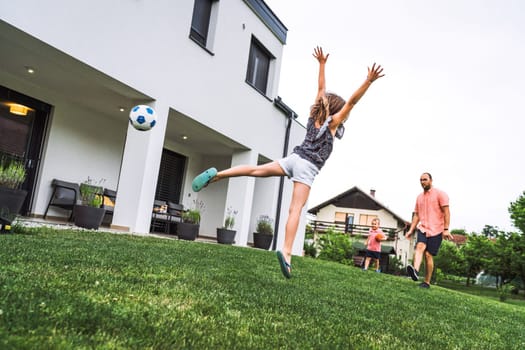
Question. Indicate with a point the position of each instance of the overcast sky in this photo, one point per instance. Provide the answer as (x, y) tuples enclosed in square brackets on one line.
[(451, 102)]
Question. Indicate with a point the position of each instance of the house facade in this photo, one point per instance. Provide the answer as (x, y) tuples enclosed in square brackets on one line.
[(352, 212), (209, 68)]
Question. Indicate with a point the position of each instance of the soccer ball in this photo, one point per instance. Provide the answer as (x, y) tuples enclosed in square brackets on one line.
[(142, 117), (380, 237)]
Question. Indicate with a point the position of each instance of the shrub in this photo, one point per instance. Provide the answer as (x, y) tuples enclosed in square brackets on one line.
[(336, 247), (395, 266), (91, 192), (504, 291), (264, 225), (12, 174), (310, 248), (193, 216), (229, 221)]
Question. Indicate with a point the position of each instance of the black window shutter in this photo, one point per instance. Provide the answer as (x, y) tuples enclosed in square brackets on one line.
[(171, 175)]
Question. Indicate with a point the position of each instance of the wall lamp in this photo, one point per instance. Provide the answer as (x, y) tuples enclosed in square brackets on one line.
[(18, 109)]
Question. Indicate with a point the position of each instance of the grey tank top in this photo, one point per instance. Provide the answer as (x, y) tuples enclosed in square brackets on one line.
[(318, 142)]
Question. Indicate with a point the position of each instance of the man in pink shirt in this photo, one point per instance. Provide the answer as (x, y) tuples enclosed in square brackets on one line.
[(431, 218)]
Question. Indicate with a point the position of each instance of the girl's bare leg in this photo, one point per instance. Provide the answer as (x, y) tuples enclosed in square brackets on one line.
[(299, 197), (265, 170)]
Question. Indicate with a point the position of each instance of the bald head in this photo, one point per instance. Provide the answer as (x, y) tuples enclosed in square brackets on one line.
[(426, 181)]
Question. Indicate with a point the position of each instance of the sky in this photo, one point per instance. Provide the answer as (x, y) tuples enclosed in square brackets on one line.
[(450, 102)]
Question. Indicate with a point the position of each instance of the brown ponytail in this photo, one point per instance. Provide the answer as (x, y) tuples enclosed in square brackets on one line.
[(325, 106)]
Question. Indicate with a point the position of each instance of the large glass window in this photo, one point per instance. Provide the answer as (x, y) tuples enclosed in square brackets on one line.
[(366, 220), (23, 121), (340, 216), (200, 22), (258, 66), (15, 128)]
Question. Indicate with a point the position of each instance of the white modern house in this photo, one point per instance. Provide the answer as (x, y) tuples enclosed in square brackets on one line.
[(210, 69)]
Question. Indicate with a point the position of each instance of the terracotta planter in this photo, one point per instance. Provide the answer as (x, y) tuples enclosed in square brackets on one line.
[(88, 217), (225, 236), (262, 240), (188, 232)]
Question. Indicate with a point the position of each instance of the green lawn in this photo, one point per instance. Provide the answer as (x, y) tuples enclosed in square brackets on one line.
[(85, 290), (485, 292)]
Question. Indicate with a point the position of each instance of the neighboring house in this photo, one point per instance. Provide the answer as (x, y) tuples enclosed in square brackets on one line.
[(459, 240), (352, 212), (209, 68)]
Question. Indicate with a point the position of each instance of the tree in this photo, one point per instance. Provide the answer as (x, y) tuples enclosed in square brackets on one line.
[(500, 266), (459, 231), (450, 259), (509, 259), (517, 212), (517, 256), (478, 253), (491, 231)]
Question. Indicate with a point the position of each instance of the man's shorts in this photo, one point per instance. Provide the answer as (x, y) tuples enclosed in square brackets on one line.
[(299, 169), (433, 243)]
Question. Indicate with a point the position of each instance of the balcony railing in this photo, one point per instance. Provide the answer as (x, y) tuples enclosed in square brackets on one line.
[(350, 229)]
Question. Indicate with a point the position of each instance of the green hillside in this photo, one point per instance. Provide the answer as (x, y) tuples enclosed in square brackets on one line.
[(84, 290)]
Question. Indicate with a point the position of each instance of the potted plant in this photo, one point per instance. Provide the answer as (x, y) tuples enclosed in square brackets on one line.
[(89, 212), (12, 176), (188, 229), (263, 235), (226, 234)]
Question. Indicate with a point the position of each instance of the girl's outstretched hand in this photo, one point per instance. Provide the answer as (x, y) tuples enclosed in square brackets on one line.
[(319, 55), (375, 72)]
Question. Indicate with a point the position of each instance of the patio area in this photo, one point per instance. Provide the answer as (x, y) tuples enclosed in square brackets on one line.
[(65, 225)]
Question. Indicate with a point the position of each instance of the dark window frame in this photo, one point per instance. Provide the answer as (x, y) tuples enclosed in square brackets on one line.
[(200, 22), (35, 143), (259, 64), (170, 180)]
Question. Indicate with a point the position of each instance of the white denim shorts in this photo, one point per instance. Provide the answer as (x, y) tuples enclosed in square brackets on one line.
[(299, 169)]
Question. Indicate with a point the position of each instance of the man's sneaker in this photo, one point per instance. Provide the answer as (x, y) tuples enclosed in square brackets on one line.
[(424, 285), (412, 272)]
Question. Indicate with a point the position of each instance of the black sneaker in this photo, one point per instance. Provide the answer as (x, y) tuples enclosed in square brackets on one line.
[(424, 285), (412, 272)]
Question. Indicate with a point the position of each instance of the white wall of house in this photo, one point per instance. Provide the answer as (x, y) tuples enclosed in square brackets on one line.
[(81, 143), (93, 141), (146, 46)]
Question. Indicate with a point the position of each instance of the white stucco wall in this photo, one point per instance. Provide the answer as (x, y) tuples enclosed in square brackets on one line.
[(83, 145), (146, 45), (80, 143)]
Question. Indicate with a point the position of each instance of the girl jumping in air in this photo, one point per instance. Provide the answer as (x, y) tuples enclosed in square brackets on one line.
[(327, 116)]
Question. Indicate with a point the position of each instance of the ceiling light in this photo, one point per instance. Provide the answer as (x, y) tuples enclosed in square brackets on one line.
[(122, 109), (30, 70), (184, 137), (18, 109)]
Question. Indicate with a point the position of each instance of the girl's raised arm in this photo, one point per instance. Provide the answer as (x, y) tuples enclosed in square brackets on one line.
[(321, 58), (374, 73)]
